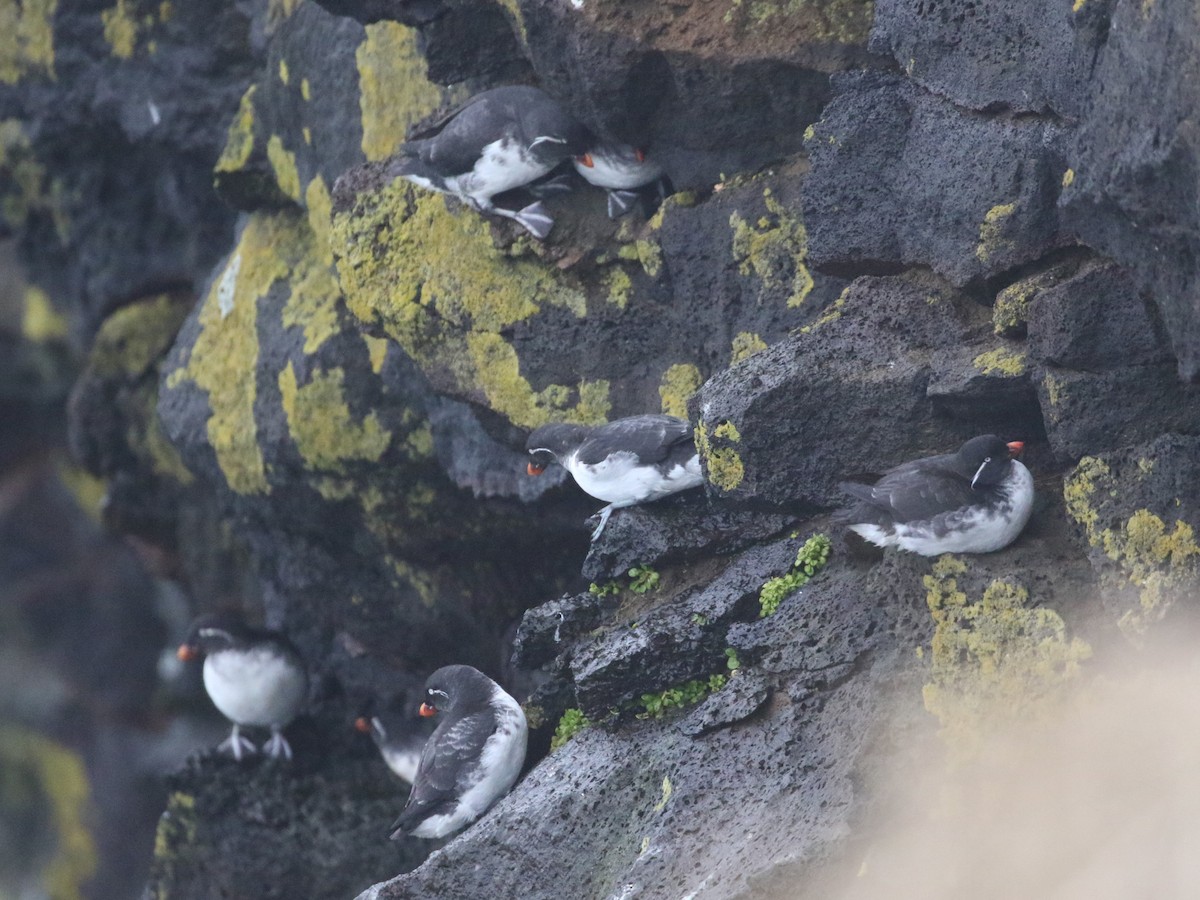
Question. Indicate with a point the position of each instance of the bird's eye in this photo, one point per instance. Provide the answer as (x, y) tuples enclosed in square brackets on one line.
[(987, 459)]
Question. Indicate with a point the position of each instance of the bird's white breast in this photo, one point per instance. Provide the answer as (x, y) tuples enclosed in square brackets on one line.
[(254, 686), (977, 529), (618, 478), (503, 165), (615, 174)]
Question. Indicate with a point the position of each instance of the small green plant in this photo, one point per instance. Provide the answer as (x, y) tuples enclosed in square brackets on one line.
[(810, 559), (699, 619), (732, 663), (572, 722), (642, 579), (655, 706), (605, 590)]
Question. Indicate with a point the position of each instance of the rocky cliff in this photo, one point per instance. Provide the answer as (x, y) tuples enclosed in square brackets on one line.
[(306, 388)]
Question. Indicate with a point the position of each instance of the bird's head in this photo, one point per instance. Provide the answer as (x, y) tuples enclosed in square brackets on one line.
[(213, 632)]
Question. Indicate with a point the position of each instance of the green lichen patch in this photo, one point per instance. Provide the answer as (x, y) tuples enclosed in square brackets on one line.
[(572, 722), (810, 559), (620, 287), (994, 236), (322, 426), (1001, 361), (283, 162), (239, 139), (679, 382), (137, 336), (437, 284), (393, 91), (773, 249), (26, 39), (720, 456), (995, 660), (124, 23), (1010, 312), (40, 322), (745, 344)]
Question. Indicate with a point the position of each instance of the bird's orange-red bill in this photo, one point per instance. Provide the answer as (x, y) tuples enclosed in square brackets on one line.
[(586, 160), (426, 710), (535, 469), (1015, 448), (363, 724), (186, 653)]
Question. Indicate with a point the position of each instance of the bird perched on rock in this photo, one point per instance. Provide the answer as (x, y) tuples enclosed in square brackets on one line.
[(498, 140), (255, 677), (622, 170), (472, 758), (399, 740), (626, 462), (973, 501)]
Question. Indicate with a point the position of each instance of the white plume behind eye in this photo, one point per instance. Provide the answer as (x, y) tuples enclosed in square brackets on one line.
[(441, 694), (541, 450), (979, 471), (546, 139), (215, 632)]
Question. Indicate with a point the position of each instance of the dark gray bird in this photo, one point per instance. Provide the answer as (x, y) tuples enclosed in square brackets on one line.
[(626, 462), (472, 758), (973, 501), (498, 140), (623, 170), (255, 677)]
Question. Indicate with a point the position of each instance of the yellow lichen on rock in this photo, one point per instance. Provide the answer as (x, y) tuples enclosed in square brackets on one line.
[(377, 351), (745, 344), (719, 455), (992, 232), (394, 92), (239, 139), (40, 322), (679, 382), (121, 28), (25, 189), (283, 163), (321, 424), (224, 358), (437, 284), (993, 661), (1001, 361), (135, 337), (36, 770), (773, 245), (26, 38)]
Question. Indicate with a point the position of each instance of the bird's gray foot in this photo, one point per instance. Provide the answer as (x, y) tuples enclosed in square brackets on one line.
[(559, 184), (603, 514), (621, 202), (535, 220), (236, 745), (277, 746)]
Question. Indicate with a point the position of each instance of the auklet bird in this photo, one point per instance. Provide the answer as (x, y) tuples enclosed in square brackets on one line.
[(622, 170), (626, 462), (254, 677), (498, 140), (974, 501), (399, 741), (472, 758)]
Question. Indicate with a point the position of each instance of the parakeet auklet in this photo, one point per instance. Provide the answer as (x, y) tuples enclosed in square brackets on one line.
[(622, 170), (472, 758), (400, 741), (254, 677), (626, 462), (973, 501), (498, 140)]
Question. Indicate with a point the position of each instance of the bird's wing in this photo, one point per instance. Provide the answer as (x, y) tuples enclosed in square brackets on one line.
[(919, 491), (651, 438), (461, 138), (444, 764)]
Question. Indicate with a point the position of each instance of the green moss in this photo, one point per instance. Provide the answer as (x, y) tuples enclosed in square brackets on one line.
[(393, 91), (679, 382), (42, 779), (283, 163), (239, 139), (26, 38), (321, 424), (810, 559), (572, 722), (773, 249), (656, 705), (720, 456), (643, 579), (1001, 361), (442, 290), (745, 345), (993, 232), (993, 661)]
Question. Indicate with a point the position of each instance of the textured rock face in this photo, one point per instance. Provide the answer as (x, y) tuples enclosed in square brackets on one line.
[(307, 385)]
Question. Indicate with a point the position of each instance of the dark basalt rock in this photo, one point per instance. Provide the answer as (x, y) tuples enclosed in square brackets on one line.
[(887, 190), (1132, 191)]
